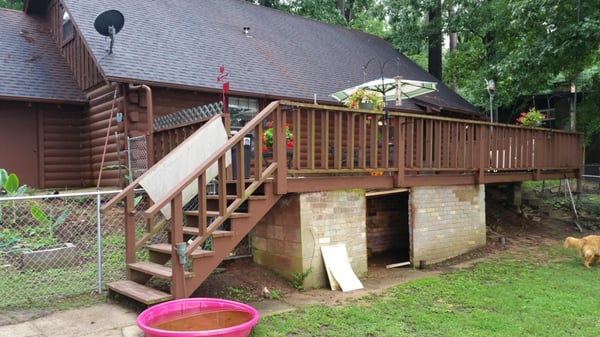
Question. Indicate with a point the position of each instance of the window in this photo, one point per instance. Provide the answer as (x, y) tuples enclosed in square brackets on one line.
[(242, 110), (67, 27)]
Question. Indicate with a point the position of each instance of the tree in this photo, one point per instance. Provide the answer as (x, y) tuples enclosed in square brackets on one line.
[(435, 40), (12, 4)]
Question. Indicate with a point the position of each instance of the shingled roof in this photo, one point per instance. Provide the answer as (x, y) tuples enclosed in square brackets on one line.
[(31, 68), (182, 43)]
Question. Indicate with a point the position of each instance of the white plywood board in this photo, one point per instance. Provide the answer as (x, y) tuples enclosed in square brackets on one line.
[(399, 264), (339, 270), (182, 161)]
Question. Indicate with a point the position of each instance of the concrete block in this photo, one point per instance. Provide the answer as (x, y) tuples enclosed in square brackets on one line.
[(66, 256)]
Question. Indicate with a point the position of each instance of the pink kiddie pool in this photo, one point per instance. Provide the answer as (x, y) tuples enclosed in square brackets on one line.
[(198, 317)]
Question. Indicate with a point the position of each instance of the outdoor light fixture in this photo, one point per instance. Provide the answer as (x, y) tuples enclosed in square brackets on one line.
[(490, 86), (246, 30)]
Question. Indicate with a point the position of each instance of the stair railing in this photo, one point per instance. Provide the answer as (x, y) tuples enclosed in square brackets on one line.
[(243, 187)]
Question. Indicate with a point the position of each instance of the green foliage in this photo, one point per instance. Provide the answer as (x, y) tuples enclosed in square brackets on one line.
[(10, 184), (274, 294), (12, 4), (298, 279), (45, 234), (240, 295), (588, 119), (267, 137)]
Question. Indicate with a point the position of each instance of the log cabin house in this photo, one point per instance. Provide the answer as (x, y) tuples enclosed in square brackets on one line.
[(73, 101)]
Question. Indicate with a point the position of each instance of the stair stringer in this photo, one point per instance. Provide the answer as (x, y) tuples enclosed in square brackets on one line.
[(240, 227)]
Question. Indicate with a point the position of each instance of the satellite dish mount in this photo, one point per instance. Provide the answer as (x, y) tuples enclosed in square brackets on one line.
[(108, 24)]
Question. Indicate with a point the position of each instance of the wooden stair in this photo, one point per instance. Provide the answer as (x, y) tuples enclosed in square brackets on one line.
[(202, 261)]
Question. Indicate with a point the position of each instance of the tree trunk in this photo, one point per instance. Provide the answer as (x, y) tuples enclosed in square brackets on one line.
[(435, 41)]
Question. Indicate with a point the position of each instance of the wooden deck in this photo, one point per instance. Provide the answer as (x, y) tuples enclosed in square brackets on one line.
[(333, 148)]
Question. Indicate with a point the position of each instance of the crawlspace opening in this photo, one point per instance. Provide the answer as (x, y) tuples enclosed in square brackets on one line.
[(388, 239)]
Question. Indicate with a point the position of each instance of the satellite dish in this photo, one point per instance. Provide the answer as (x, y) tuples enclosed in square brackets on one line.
[(109, 23)]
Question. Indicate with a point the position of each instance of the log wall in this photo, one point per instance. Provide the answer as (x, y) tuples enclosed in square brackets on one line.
[(74, 50), (61, 144)]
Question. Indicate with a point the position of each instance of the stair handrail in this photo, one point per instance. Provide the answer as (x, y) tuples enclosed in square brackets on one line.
[(242, 192)]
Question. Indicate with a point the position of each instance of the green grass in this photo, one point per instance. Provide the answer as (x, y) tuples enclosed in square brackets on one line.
[(25, 288), (511, 296)]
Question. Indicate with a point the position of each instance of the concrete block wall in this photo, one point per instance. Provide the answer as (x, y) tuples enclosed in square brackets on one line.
[(288, 239), (446, 221), (276, 240), (333, 217)]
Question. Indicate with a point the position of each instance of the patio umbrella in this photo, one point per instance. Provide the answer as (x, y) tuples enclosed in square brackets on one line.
[(391, 89)]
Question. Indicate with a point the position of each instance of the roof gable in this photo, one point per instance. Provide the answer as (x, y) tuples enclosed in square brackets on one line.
[(181, 43), (30, 62)]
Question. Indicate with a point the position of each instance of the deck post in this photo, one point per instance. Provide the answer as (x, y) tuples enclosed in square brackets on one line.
[(130, 243), (177, 277)]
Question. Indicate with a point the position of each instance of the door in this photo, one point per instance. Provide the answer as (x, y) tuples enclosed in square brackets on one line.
[(19, 139)]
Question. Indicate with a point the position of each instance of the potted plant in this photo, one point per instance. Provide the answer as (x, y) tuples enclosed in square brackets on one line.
[(267, 141), (363, 99), (267, 138), (531, 118)]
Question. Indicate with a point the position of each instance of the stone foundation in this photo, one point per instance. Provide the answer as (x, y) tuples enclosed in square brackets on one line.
[(443, 222)]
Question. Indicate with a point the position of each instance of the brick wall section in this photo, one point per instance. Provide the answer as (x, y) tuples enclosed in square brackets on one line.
[(446, 221), (288, 240)]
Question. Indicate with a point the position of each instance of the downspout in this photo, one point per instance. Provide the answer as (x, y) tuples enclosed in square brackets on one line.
[(150, 117)]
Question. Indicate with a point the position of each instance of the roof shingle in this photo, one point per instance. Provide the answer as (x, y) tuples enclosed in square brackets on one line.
[(31, 67)]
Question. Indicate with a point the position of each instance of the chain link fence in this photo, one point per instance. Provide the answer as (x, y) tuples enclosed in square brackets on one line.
[(137, 156), (58, 245)]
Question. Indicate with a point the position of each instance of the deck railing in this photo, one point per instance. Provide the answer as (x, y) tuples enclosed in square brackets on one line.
[(333, 140)]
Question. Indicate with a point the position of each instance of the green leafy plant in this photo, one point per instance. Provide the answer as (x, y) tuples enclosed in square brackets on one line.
[(48, 221), (299, 278), (10, 184), (274, 294), (531, 118)]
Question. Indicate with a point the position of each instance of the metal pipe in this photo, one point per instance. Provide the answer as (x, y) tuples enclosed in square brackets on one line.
[(99, 240), (180, 248)]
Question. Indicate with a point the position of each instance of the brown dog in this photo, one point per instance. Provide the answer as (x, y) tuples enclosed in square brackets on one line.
[(589, 247)]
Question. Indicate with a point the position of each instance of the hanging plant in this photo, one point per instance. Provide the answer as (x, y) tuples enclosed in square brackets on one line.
[(531, 118), (361, 98)]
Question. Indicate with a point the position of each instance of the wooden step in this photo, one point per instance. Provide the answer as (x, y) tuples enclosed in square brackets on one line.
[(214, 214), (166, 248), (139, 292), (196, 232), (233, 197), (155, 269)]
